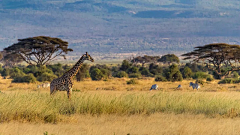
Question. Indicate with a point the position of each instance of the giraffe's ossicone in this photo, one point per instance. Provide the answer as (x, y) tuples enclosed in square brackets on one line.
[(65, 82)]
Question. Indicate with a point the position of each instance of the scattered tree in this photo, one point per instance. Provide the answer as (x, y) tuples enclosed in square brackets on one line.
[(216, 57), (38, 50), (173, 73), (169, 58), (145, 59)]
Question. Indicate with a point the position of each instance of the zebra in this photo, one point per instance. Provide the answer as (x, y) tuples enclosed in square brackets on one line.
[(154, 87), (194, 85), (44, 85), (179, 86)]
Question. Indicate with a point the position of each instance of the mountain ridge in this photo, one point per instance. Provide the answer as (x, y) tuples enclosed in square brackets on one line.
[(122, 26)]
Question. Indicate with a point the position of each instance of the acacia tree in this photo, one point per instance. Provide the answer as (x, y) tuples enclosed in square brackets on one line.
[(217, 56), (169, 58), (145, 59), (38, 50), (9, 60)]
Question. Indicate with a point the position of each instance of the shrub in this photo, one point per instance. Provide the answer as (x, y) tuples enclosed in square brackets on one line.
[(132, 81), (155, 69), (209, 79), (121, 74), (226, 81), (125, 65), (41, 70), (135, 75), (235, 74), (173, 73), (96, 74), (16, 72), (106, 72), (132, 70), (200, 75), (5, 72), (169, 58), (29, 78), (46, 77), (160, 79), (144, 71), (187, 72)]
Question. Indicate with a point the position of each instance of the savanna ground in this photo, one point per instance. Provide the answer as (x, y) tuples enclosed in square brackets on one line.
[(113, 107)]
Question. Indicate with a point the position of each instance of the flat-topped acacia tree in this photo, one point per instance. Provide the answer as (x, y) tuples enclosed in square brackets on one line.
[(216, 57), (38, 50)]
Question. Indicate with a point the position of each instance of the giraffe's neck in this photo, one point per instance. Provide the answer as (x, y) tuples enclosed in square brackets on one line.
[(73, 71)]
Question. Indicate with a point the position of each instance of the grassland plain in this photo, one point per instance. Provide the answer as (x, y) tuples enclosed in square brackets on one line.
[(113, 107)]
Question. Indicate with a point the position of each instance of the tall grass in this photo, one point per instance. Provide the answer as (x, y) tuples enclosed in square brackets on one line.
[(34, 107)]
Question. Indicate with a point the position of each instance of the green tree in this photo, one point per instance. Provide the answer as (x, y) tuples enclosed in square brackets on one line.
[(169, 58), (145, 59), (96, 74), (155, 69), (5, 72), (144, 71), (187, 72), (125, 65), (173, 73), (121, 74), (217, 57), (132, 70), (38, 50)]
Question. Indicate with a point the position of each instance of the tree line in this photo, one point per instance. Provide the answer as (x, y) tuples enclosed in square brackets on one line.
[(218, 60)]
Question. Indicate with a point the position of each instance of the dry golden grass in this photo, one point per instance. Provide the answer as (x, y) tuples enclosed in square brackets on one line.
[(214, 109), (156, 124)]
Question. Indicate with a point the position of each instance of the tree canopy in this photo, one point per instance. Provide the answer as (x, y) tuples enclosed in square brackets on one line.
[(216, 57), (169, 58), (145, 59), (38, 50)]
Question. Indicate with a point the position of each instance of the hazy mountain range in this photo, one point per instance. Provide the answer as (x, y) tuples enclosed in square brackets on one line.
[(105, 27)]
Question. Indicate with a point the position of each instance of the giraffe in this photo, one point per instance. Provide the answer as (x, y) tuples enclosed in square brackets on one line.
[(65, 82)]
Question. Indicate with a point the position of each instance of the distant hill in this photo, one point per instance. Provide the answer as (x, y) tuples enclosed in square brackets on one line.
[(150, 27)]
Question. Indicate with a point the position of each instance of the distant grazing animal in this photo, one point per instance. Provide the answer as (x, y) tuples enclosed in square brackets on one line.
[(179, 86), (194, 85), (65, 82), (154, 87), (44, 85)]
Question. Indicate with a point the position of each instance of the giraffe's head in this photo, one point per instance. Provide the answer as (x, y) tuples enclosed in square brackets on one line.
[(88, 57)]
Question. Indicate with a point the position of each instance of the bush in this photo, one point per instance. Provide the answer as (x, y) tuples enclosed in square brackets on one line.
[(5, 72), (235, 74), (132, 81), (96, 74), (46, 77), (26, 78), (160, 79), (121, 74), (125, 65), (226, 81), (155, 69), (173, 73), (132, 70), (187, 72), (16, 72), (144, 71), (200, 75), (135, 75), (209, 79)]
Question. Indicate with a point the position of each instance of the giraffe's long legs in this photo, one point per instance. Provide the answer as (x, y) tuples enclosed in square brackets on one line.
[(69, 93)]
